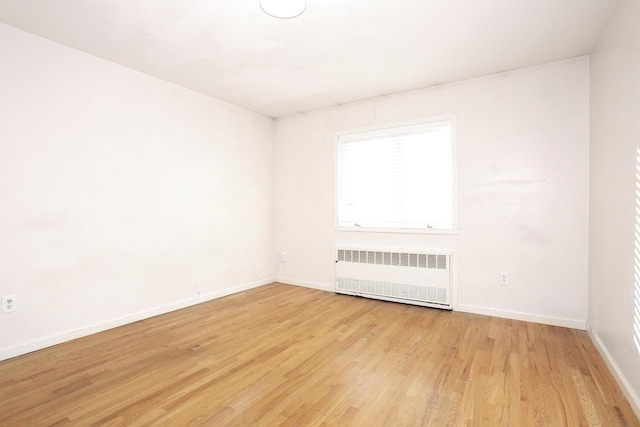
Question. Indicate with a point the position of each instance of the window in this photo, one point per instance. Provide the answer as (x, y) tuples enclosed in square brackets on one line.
[(397, 178)]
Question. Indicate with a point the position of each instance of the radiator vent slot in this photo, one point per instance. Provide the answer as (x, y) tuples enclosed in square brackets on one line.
[(396, 290), (403, 259), (421, 277)]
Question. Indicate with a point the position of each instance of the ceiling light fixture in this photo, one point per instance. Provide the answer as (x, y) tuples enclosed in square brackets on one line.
[(283, 9)]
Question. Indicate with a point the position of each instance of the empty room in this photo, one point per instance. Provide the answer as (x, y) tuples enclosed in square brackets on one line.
[(320, 212)]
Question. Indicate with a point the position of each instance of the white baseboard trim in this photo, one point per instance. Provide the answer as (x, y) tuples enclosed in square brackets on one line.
[(313, 285), (39, 344), (627, 390), (527, 317)]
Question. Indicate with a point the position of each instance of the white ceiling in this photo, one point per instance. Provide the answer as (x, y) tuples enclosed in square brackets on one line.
[(337, 51)]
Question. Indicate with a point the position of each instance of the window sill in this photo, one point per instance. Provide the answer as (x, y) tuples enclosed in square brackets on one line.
[(398, 230)]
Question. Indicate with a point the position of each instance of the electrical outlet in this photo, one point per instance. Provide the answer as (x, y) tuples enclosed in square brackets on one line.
[(283, 256), (8, 304), (504, 278)]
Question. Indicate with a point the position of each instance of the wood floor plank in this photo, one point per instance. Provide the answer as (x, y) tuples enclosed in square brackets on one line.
[(286, 355)]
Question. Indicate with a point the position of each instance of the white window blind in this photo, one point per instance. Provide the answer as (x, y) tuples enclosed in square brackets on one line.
[(397, 178)]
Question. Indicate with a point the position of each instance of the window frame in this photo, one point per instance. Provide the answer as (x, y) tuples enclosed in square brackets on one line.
[(384, 130)]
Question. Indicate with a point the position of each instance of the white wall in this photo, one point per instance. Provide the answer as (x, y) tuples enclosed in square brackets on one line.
[(522, 146), (614, 289), (121, 195)]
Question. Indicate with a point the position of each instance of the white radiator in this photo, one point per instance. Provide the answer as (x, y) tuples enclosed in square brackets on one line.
[(412, 276)]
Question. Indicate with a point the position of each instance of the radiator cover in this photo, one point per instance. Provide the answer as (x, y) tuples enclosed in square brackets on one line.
[(412, 276)]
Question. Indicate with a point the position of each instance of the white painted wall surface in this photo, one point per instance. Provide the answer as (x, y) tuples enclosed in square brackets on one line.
[(614, 288), (522, 147), (121, 195)]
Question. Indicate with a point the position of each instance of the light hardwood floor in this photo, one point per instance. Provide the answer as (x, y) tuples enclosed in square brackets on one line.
[(285, 355)]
